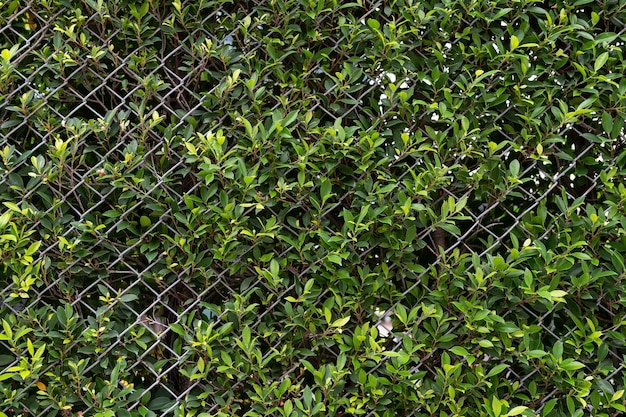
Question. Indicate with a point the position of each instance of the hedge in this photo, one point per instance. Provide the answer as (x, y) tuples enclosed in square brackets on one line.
[(299, 208)]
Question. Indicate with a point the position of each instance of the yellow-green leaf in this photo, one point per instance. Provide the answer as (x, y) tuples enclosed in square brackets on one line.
[(516, 411), (341, 322)]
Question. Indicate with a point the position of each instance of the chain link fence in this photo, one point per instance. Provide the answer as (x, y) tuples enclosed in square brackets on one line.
[(109, 116)]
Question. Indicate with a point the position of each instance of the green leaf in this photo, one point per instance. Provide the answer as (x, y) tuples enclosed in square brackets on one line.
[(506, 327), (178, 329), (288, 408), (496, 406), (557, 350), (307, 396), (128, 297), (548, 407), (516, 411), (145, 221), (459, 350), (600, 61), (336, 259), (246, 337), (274, 268), (571, 365), (6, 375), (514, 42), (595, 18), (6, 359), (340, 322), (537, 353), (373, 23), (607, 123), (514, 168), (558, 295), (485, 343), (325, 188), (328, 315), (497, 369), (160, 403), (450, 228), (12, 206), (7, 329), (5, 219), (571, 406), (411, 232)]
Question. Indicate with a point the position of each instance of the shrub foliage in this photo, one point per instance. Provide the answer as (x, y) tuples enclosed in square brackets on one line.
[(300, 207)]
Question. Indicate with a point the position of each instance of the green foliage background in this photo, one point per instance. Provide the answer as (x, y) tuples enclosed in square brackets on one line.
[(220, 208)]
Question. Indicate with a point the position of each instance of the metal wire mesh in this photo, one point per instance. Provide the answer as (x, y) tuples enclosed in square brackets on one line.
[(91, 188)]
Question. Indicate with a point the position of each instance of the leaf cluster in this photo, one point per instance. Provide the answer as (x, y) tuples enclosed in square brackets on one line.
[(312, 207)]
